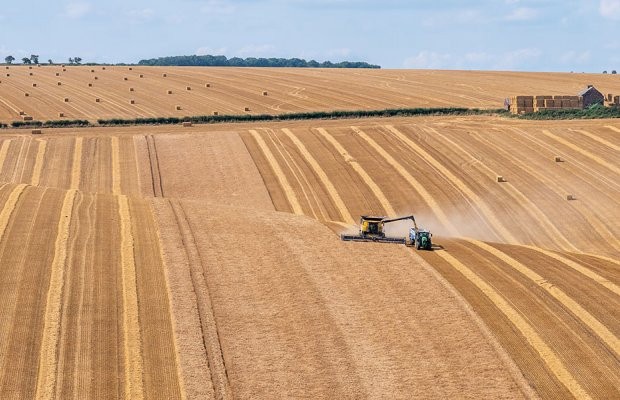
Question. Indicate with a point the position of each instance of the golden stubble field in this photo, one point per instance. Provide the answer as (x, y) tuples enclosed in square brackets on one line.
[(204, 262), (93, 92)]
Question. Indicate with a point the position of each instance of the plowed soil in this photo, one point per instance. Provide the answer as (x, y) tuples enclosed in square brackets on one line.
[(205, 262)]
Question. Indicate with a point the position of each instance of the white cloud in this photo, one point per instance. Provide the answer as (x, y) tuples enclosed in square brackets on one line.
[(523, 14), (215, 7), (143, 14), (260, 50), (429, 60), (206, 50), (610, 9), (574, 57), (342, 52), (474, 60), (77, 10)]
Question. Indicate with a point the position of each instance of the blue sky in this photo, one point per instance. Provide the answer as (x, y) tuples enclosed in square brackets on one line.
[(522, 35)]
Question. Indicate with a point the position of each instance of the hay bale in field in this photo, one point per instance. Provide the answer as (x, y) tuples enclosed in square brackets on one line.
[(97, 100), (92, 70), (62, 66), (57, 73), (64, 70), (265, 93), (103, 68), (61, 115), (188, 88), (36, 131), (26, 94), (571, 197), (29, 67), (22, 113), (8, 74), (187, 124), (125, 78), (7, 67), (558, 159), (132, 101), (141, 76), (246, 109), (90, 85), (96, 77), (59, 83), (169, 92), (207, 85), (216, 113), (34, 85), (501, 179), (164, 75), (30, 74), (27, 118), (131, 89), (66, 99), (177, 108), (130, 68)]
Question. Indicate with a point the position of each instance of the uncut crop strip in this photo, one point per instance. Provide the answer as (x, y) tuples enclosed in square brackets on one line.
[(327, 183), (487, 213), (4, 149), (116, 167), (417, 186), (585, 210), (360, 171), (571, 305), (581, 269), (598, 139), (76, 166), (536, 213), (48, 361), (548, 356), (313, 200), (38, 165), (158, 189), (284, 184), (578, 149), (131, 323), (212, 342)]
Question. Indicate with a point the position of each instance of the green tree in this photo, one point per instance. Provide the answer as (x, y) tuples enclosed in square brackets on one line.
[(50, 62), (34, 58), (9, 59), (71, 60), (77, 60), (26, 60)]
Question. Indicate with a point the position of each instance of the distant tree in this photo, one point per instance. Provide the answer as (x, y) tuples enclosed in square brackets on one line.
[(605, 72), (50, 62), (77, 60), (26, 60), (613, 72), (34, 58), (9, 59)]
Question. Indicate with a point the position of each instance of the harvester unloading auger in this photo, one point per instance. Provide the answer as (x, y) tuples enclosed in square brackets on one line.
[(372, 230)]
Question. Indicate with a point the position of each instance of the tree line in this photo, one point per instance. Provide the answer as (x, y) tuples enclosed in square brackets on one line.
[(34, 59), (223, 61)]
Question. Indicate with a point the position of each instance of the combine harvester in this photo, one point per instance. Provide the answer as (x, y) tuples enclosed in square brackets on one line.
[(372, 230)]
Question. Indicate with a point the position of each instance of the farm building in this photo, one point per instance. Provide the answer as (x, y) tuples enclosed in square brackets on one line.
[(591, 96)]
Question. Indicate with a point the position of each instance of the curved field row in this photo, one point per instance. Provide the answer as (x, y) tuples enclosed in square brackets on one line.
[(232, 90)]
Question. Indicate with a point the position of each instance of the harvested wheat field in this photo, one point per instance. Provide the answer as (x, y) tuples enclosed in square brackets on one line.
[(169, 262), (83, 92)]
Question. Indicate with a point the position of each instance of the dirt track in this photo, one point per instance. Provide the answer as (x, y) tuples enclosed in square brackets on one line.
[(232, 90), (197, 263)]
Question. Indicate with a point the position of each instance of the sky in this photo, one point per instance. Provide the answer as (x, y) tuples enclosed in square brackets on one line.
[(517, 35)]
